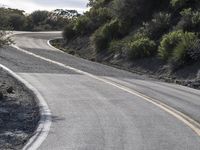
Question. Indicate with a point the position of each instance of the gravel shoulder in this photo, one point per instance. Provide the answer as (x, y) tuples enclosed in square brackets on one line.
[(19, 113)]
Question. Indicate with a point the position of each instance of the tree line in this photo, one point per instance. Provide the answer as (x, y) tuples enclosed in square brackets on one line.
[(14, 19)]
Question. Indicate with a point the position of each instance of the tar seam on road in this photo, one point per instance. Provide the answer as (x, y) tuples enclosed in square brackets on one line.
[(45, 114)]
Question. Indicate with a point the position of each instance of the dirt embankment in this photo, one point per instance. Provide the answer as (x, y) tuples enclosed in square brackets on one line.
[(188, 75), (19, 113)]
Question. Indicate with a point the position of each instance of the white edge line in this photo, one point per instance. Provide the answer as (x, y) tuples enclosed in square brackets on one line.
[(194, 125), (45, 121)]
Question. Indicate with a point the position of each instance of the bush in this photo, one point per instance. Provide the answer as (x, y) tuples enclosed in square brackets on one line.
[(82, 25), (168, 43), (176, 47), (69, 33), (181, 51), (143, 47), (157, 26), (105, 34), (190, 20), (4, 40)]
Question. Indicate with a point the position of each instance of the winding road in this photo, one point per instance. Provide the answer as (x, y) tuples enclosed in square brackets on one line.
[(97, 107)]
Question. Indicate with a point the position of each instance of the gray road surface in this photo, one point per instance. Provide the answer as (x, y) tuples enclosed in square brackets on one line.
[(89, 114)]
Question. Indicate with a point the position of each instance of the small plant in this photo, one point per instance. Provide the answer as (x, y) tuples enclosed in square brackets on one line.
[(143, 47), (4, 39)]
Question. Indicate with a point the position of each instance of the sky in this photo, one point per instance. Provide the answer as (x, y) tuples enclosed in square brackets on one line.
[(31, 5)]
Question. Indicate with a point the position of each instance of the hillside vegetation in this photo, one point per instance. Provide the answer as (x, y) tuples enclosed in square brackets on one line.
[(14, 19), (164, 34)]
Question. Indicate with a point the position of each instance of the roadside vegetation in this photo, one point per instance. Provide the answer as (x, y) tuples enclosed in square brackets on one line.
[(14, 19), (164, 34), (4, 39)]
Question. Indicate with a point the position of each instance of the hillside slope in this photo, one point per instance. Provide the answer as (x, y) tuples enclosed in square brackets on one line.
[(155, 37)]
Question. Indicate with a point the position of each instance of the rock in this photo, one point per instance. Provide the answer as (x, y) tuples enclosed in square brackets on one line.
[(10, 90)]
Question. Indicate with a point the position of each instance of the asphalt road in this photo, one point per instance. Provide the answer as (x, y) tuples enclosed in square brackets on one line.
[(97, 108)]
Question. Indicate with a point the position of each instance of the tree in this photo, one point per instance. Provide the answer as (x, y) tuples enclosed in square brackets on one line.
[(17, 22), (129, 10), (39, 16)]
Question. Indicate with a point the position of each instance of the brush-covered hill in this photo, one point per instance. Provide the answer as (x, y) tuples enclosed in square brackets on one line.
[(158, 37)]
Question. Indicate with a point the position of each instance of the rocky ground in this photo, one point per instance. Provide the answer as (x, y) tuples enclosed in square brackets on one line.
[(188, 75), (19, 113)]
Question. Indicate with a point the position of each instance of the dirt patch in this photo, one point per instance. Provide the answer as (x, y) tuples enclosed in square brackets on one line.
[(19, 113), (189, 75)]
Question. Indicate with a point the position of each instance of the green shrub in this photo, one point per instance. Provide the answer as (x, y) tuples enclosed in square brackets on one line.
[(181, 51), (176, 47), (98, 17), (4, 39), (143, 47), (82, 25), (168, 43), (157, 26), (69, 33), (105, 34), (190, 20)]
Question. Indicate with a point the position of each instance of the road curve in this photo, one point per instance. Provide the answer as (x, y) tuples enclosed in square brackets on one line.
[(96, 107)]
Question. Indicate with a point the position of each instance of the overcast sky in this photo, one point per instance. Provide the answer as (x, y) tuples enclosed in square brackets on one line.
[(31, 5)]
